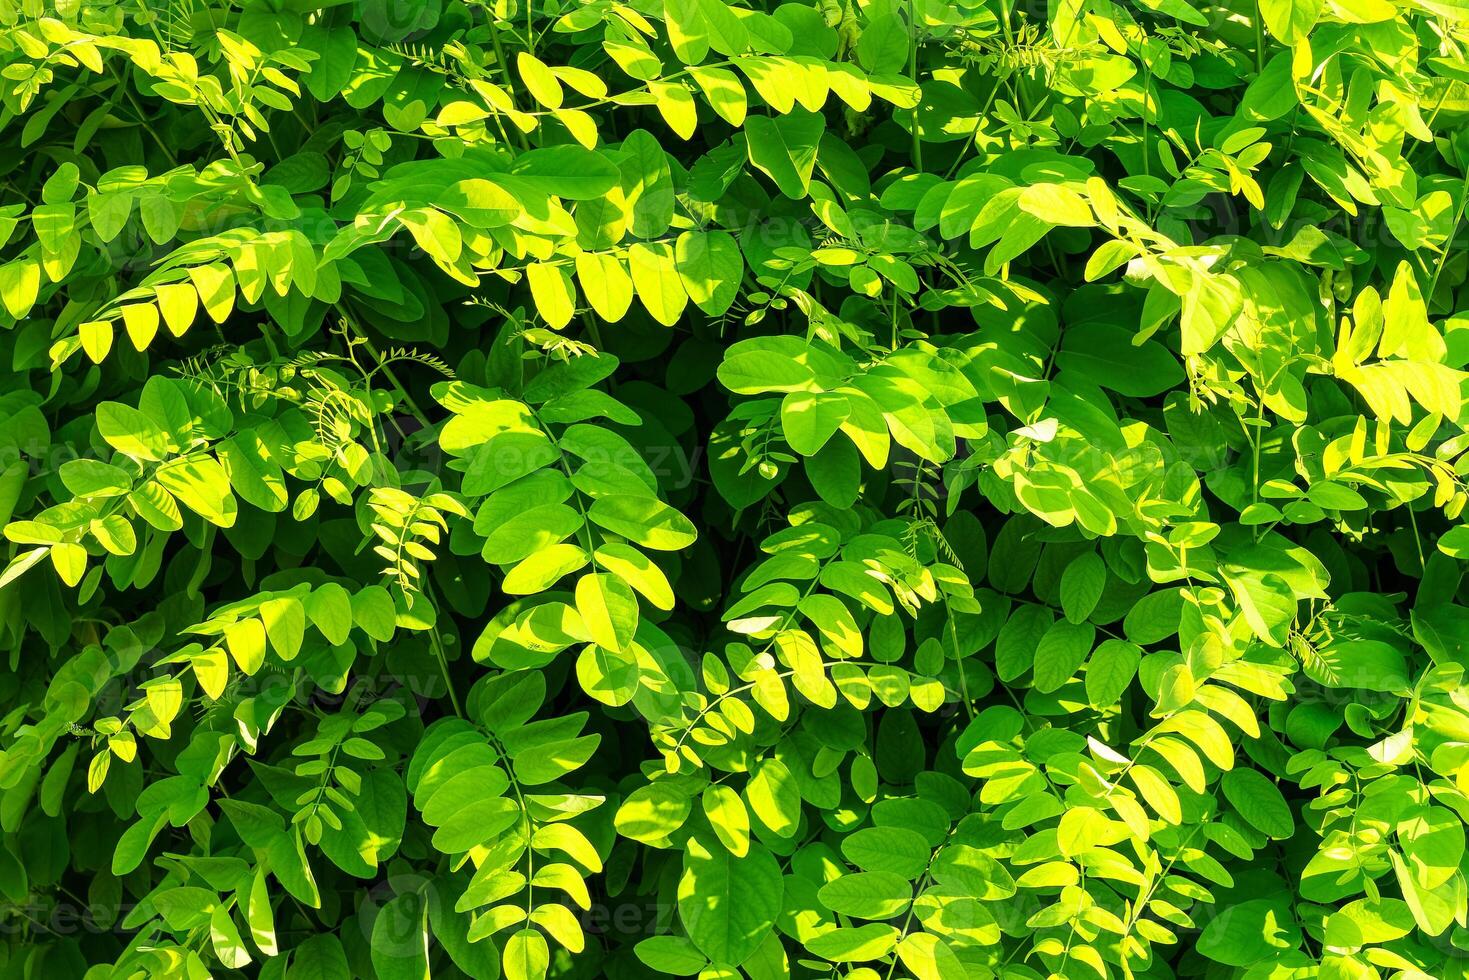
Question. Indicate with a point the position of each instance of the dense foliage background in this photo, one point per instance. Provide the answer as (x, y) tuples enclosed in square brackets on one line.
[(672, 487)]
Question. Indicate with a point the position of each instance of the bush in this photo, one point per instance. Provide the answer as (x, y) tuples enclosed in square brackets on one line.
[(818, 490)]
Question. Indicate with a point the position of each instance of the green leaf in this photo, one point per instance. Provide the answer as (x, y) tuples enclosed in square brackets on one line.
[(318, 958), (329, 608), (481, 202), (572, 172), (200, 484), (1250, 932), (20, 282), (724, 92), (653, 812), (609, 609), (1290, 20), (643, 520), (284, 618), (553, 293), (775, 798), (1110, 671), (1369, 665), (929, 957), (132, 433), (759, 370), (606, 285), (656, 279), (867, 895), (374, 613), (729, 818), (784, 148), (728, 904), (224, 936), (1061, 651), (400, 939), (1259, 801), (539, 80), (1110, 357), (855, 944), (710, 267), (896, 850), (673, 955), (810, 419), (1081, 586), (527, 956), (253, 474), (543, 763)]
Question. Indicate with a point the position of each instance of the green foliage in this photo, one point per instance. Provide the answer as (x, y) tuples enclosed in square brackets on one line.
[(833, 489)]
